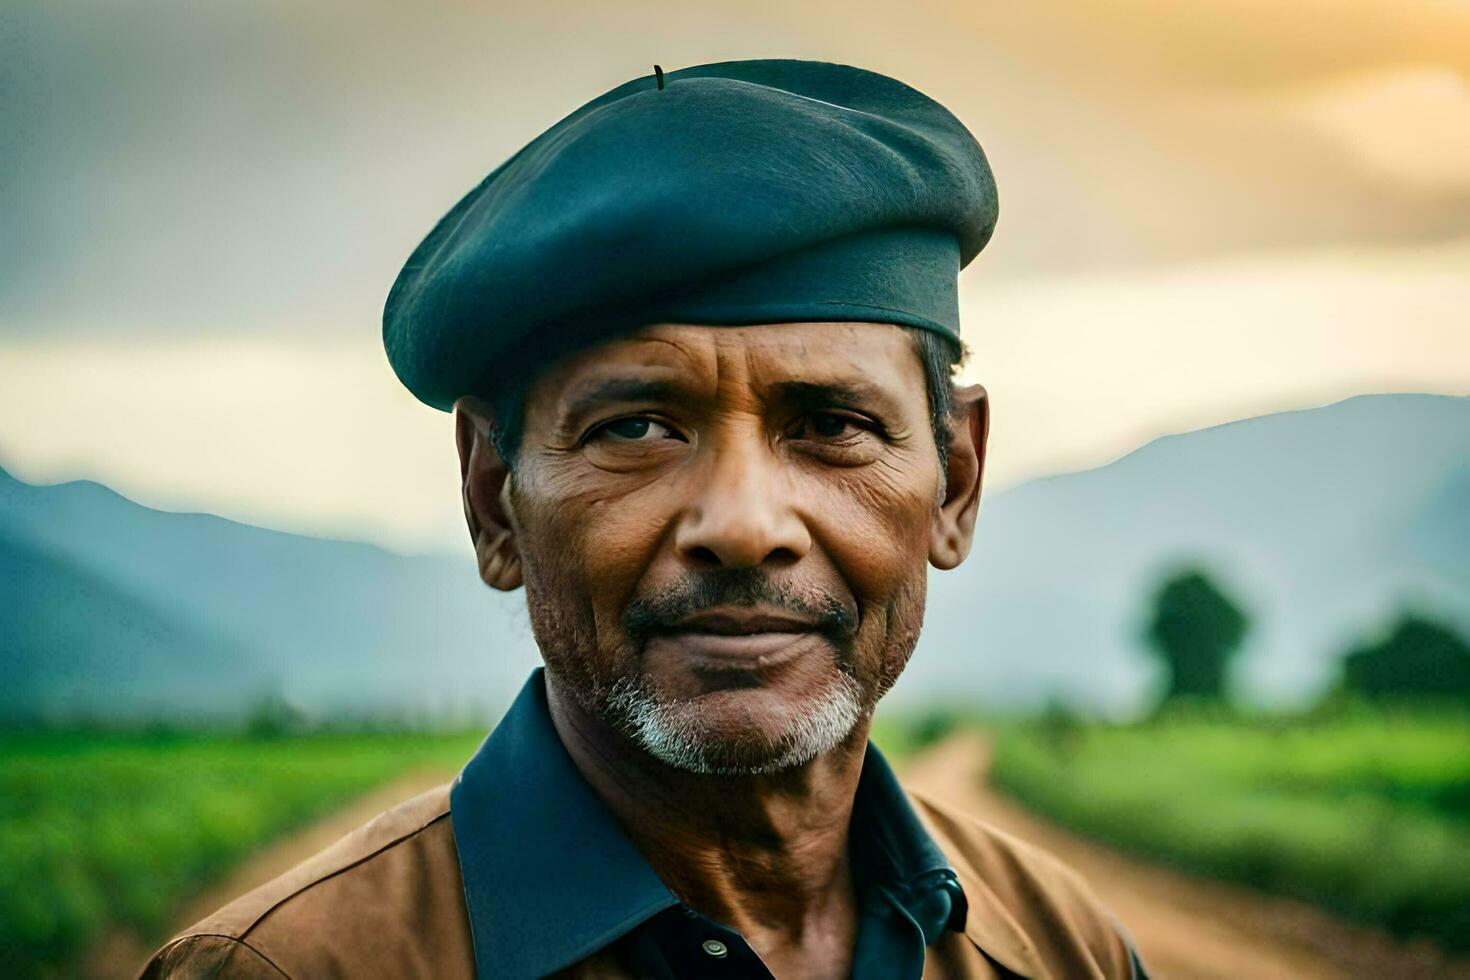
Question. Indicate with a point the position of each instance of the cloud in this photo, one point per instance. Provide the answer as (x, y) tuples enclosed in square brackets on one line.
[(185, 169), (1407, 125)]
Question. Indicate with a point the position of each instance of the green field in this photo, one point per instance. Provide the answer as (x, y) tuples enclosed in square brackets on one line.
[(1365, 814), (1368, 815), (99, 832)]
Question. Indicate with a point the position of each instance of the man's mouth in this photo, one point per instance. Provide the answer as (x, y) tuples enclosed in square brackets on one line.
[(743, 621), (735, 638)]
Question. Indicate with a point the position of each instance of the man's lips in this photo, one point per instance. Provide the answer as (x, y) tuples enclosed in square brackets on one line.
[(728, 621), (731, 638)]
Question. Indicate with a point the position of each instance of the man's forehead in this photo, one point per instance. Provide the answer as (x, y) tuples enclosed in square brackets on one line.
[(806, 346), (876, 359)]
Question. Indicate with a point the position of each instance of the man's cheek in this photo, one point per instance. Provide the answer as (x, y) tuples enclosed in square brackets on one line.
[(614, 548), (621, 533), (875, 515), (876, 556)]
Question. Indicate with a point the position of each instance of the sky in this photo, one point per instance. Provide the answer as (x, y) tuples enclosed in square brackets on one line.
[(1208, 210)]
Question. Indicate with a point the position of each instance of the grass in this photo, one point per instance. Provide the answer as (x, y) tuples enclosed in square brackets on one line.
[(105, 831), (1366, 814)]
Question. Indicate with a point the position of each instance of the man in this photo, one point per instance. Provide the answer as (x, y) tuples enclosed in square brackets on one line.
[(698, 340)]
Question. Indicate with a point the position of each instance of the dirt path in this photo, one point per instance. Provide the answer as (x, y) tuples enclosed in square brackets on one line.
[(1185, 927)]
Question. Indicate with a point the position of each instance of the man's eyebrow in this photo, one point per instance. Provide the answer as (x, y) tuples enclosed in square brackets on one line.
[(816, 394), (622, 390)]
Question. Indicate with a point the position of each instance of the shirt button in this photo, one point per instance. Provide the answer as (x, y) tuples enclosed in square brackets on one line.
[(715, 948)]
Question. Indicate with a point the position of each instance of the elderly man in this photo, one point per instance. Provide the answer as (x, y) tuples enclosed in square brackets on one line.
[(698, 340)]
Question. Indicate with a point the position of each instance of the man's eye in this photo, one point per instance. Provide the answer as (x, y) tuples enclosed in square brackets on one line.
[(828, 425), (633, 429)]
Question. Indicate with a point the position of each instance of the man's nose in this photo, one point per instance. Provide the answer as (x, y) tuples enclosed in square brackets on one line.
[(741, 512)]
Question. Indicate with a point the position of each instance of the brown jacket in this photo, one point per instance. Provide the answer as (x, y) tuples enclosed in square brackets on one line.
[(387, 901), (520, 867)]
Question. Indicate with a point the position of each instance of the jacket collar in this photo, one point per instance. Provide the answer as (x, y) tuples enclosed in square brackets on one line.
[(550, 877), (988, 923)]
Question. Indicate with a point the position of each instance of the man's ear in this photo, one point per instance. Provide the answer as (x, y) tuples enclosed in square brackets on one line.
[(954, 523), (483, 475)]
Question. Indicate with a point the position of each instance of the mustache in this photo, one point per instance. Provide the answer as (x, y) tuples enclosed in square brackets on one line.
[(662, 611)]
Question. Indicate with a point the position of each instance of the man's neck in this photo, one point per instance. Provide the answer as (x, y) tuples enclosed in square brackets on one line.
[(765, 855)]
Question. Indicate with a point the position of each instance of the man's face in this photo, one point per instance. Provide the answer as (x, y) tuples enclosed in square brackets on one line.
[(723, 533)]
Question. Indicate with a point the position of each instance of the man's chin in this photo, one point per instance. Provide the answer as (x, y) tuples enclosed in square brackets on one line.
[(736, 732)]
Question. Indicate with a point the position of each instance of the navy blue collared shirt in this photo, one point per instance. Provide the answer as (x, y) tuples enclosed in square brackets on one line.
[(550, 878)]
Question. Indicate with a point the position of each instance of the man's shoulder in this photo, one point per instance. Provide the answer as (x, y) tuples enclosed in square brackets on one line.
[(406, 825), (1010, 867), (388, 896), (1025, 903)]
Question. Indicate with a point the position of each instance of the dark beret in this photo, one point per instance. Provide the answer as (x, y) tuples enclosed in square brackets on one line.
[(741, 192)]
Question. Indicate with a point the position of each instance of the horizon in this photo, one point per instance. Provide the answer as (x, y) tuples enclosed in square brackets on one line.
[(451, 548)]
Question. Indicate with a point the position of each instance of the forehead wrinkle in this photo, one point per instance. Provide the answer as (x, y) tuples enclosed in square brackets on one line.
[(655, 334)]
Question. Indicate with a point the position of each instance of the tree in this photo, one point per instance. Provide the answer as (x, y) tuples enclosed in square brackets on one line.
[(273, 716), (1418, 658), (1196, 628)]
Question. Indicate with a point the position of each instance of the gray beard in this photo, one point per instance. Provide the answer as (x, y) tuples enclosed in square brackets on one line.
[(670, 730)]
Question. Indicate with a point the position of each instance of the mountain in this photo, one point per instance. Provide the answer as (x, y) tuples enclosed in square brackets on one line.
[(1439, 530), (74, 639), (1322, 523), (333, 625)]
